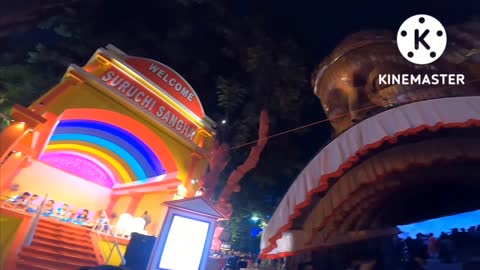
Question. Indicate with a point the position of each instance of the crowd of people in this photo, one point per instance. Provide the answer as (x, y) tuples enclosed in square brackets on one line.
[(29, 203), (460, 245), (235, 260)]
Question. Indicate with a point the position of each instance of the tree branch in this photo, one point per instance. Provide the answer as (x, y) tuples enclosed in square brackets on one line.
[(218, 160), (250, 163)]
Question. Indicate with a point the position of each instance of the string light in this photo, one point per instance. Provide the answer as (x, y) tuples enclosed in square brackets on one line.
[(303, 127)]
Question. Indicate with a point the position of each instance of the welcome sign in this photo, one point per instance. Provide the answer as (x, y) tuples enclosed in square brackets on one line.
[(146, 100), (170, 81)]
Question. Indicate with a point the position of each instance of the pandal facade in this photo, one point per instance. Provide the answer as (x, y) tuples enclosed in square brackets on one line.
[(122, 134)]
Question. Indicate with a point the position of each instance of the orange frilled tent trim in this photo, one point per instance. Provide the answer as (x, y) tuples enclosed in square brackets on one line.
[(358, 191), (346, 150)]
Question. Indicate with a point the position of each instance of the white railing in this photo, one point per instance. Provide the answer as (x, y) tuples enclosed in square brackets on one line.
[(34, 225), (104, 232)]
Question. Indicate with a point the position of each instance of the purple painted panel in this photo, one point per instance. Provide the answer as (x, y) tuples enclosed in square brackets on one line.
[(80, 166)]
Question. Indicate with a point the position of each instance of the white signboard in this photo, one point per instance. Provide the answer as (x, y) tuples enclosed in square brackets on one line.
[(185, 244)]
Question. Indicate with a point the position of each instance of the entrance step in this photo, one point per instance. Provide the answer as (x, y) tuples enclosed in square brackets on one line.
[(58, 245)]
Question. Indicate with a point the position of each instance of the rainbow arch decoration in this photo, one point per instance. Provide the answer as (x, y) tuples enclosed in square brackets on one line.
[(107, 148)]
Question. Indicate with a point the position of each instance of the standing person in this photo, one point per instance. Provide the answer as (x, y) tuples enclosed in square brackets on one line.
[(148, 219), (102, 223), (432, 246)]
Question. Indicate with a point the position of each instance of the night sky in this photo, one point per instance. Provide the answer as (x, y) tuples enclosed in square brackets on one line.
[(318, 25), (321, 25)]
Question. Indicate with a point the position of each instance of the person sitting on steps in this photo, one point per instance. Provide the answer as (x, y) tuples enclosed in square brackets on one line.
[(19, 201), (48, 208), (32, 207), (63, 213), (81, 219)]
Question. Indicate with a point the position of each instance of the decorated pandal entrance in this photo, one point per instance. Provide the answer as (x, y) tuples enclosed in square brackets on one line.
[(121, 134), (402, 154)]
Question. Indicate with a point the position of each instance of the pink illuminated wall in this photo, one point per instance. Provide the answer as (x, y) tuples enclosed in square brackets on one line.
[(63, 187), (81, 165)]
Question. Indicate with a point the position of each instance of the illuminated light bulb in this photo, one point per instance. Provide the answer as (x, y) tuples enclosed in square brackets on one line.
[(181, 191), (254, 218), (20, 125), (224, 121)]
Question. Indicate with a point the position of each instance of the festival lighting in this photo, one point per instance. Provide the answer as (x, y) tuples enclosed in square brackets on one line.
[(121, 152), (20, 125), (254, 218), (181, 192), (125, 155), (224, 121), (81, 165)]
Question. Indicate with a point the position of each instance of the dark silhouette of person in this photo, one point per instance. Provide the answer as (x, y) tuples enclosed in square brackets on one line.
[(432, 246), (148, 219)]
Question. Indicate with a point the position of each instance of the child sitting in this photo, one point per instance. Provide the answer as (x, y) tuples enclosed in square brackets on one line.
[(63, 213), (81, 219), (32, 207), (48, 208), (19, 201)]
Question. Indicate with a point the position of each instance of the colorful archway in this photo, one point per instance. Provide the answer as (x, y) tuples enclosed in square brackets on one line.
[(107, 147)]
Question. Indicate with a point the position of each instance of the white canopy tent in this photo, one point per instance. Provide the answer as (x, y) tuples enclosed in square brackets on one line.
[(343, 153)]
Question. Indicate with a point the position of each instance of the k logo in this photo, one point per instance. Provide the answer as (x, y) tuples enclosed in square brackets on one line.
[(421, 39)]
